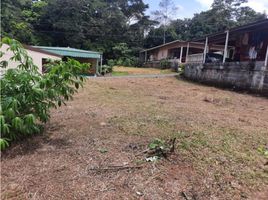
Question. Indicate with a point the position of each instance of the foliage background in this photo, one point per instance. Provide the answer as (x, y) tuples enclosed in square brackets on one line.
[(103, 25)]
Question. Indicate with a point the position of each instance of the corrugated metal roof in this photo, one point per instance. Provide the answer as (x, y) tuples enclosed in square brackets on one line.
[(71, 52)]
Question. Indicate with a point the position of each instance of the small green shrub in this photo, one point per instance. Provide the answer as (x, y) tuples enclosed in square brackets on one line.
[(157, 143), (27, 96), (165, 64), (263, 151), (137, 62), (127, 62), (159, 148), (106, 69), (181, 68)]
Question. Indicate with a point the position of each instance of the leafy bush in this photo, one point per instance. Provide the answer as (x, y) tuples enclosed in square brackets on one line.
[(181, 68), (106, 69), (137, 62), (165, 64), (125, 56), (27, 96)]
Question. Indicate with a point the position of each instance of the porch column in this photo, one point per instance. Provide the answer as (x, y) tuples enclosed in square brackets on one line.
[(266, 58), (226, 46), (181, 54), (100, 63), (145, 56), (187, 52), (205, 50), (97, 67)]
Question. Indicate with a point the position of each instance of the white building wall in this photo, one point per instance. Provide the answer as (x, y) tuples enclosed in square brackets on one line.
[(162, 54), (36, 56)]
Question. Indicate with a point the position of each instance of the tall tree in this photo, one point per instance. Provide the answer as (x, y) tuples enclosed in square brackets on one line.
[(223, 15), (164, 15), (13, 22), (94, 24)]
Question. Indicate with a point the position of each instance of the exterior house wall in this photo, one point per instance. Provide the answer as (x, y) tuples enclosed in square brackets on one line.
[(158, 55), (162, 54), (245, 75), (36, 56)]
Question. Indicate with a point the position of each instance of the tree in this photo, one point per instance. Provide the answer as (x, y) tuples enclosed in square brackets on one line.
[(13, 21), (94, 24), (223, 15), (233, 13), (155, 36), (164, 14), (27, 96), (103, 24)]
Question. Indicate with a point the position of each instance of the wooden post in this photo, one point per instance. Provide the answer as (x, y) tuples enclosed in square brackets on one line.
[(226, 47), (97, 67), (205, 50), (100, 63), (145, 56), (266, 58), (181, 54), (187, 52)]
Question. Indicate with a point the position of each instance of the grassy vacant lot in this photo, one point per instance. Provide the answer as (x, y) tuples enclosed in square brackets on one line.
[(122, 71), (110, 123)]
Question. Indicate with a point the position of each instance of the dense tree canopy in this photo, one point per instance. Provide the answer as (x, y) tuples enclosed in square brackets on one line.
[(104, 24), (88, 24), (223, 14)]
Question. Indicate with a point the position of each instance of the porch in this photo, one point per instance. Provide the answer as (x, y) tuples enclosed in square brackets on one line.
[(243, 62)]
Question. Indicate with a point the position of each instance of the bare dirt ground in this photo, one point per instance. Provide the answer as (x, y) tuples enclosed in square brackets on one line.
[(111, 121)]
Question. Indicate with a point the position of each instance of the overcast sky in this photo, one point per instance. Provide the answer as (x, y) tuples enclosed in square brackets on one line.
[(186, 8)]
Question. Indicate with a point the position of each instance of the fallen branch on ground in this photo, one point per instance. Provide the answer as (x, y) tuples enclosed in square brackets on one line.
[(184, 195), (115, 168)]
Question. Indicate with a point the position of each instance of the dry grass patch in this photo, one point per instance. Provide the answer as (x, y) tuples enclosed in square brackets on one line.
[(111, 121), (120, 70)]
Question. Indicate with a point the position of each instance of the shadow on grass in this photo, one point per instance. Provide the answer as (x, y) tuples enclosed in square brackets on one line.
[(35, 143)]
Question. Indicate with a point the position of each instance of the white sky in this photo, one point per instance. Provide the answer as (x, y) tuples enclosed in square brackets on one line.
[(258, 5)]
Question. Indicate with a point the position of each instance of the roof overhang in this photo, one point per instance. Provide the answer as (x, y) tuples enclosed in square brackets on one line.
[(221, 36), (164, 45), (40, 50), (217, 37), (71, 52), (195, 45)]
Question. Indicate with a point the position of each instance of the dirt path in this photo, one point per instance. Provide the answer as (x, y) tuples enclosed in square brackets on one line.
[(111, 121)]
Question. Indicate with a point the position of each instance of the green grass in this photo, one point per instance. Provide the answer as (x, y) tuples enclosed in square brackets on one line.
[(230, 153), (119, 73), (167, 71)]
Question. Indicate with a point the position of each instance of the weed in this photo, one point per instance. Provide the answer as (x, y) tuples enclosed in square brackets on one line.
[(103, 150)]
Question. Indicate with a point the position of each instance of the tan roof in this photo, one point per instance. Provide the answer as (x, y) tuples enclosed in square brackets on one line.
[(178, 43)]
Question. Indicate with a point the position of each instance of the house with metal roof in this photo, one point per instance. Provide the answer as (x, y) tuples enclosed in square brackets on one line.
[(92, 57), (38, 56), (237, 57), (242, 64), (175, 52)]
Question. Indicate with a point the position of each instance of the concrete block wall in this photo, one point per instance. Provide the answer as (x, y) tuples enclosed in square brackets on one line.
[(246, 75)]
